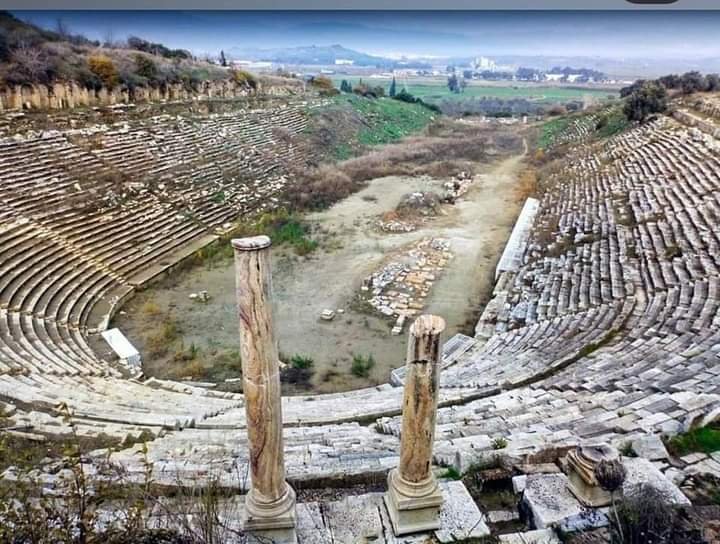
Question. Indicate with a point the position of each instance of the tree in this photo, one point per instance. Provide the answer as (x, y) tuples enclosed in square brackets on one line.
[(713, 82), (104, 68), (393, 89), (4, 49), (671, 81), (31, 62), (223, 60), (145, 67), (693, 82), (453, 84), (61, 28), (345, 86), (648, 98)]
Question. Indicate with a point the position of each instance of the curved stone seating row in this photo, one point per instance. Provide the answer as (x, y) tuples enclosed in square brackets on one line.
[(85, 215), (607, 329)]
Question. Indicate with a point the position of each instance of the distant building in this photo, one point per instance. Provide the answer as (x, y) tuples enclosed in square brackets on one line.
[(484, 63), (251, 64), (554, 77), (344, 62)]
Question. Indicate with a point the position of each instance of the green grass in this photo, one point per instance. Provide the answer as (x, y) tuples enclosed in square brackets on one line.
[(433, 89), (301, 362), (611, 123), (388, 120), (361, 366), (451, 473), (702, 440), (551, 129)]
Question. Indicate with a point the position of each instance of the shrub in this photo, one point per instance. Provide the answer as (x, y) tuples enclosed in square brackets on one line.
[(361, 366), (321, 188), (648, 98), (241, 77), (499, 443), (301, 362), (703, 439), (104, 68), (150, 308), (324, 86), (646, 515), (145, 67)]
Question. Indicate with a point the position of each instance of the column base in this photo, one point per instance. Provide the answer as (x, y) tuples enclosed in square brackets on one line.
[(413, 508), (263, 516)]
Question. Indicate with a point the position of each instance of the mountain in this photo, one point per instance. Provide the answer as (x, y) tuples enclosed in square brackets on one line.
[(317, 55)]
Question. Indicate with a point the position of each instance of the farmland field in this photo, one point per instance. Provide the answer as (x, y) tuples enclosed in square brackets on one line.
[(430, 89)]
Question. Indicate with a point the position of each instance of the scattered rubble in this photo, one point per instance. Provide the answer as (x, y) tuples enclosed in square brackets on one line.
[(400, 288)]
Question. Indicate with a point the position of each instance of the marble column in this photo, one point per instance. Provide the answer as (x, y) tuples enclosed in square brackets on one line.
[(270, 503), (413, 498)]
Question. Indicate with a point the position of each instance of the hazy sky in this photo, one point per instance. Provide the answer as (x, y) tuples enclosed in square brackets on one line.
[(621, 35)]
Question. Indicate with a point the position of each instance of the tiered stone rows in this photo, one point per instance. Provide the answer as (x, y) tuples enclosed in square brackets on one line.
[(90, 213), (609, 327)]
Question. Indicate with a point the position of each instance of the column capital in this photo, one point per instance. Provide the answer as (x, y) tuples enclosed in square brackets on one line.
[(251, 243)]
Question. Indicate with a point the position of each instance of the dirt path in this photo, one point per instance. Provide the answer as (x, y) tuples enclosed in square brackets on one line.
[(477, 227)]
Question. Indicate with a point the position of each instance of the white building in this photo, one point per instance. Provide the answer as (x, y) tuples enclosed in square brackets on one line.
[(484, 63), (344, 62)]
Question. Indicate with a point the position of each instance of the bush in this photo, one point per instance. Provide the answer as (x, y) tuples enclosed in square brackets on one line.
[(361, 366), (320, 189), (703, 439), (646, 515), (648, 98), (363, 89), (104, 68), (241, 77), (301, 362), (499, 443), (145, 67)]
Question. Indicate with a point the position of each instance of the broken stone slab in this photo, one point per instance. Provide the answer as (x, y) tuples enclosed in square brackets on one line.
[(641, 471), (540, 536), (651, 447), (364, 519), (460, 518), (551, 504)]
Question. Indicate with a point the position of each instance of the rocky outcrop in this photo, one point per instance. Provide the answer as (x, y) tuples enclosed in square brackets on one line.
[(71, 95)]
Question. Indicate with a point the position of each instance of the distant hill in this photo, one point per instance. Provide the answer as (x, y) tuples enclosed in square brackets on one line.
[(319, 55)]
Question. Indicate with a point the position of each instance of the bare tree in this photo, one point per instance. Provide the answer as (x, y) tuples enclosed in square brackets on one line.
[(109, 37), (62, 28), (30, 61)]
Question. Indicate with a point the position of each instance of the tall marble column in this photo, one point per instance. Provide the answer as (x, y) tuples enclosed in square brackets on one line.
[(270, 503), (413, 498)]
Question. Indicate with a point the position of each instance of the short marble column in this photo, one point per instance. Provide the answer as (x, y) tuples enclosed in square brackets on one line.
[(270, 503), (413, 498)]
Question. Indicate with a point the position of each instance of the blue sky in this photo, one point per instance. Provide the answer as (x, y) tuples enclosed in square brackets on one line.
[(603, 34)]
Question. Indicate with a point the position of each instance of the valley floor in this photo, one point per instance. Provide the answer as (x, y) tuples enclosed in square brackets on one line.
[(352, 247)]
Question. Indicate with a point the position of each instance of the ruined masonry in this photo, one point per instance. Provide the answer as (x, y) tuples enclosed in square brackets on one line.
[(607, 331)]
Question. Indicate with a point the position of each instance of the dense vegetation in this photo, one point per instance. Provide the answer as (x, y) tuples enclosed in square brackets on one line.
[(644, 98), (31, 55)]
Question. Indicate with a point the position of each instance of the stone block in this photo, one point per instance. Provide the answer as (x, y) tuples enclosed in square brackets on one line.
[(650, 447), (460, 518), (642, 471), (549, 500), (540, 536)]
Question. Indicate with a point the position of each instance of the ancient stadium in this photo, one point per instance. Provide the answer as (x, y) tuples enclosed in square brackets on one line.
[(601, 328)]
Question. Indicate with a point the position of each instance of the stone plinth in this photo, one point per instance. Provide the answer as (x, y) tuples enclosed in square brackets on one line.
[(270, 503), (413, 499), (581, 465)]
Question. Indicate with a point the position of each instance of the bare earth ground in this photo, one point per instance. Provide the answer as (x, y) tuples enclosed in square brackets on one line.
[(477, 226)]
